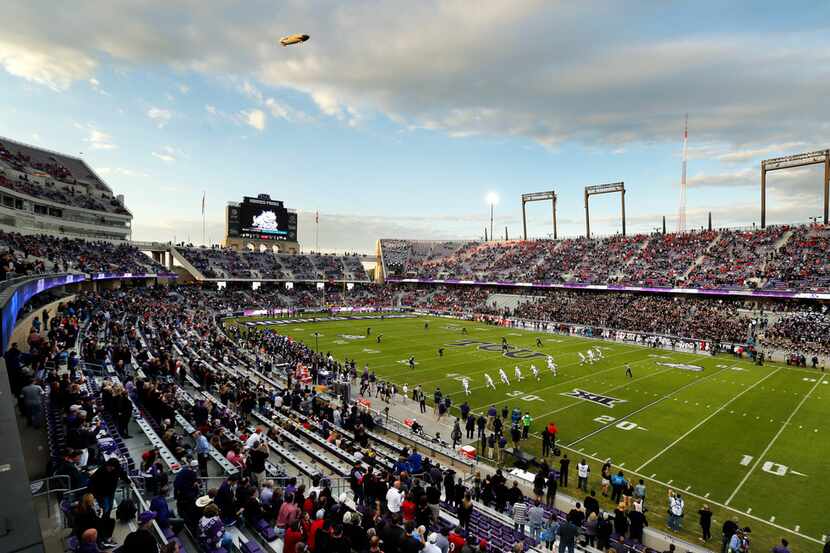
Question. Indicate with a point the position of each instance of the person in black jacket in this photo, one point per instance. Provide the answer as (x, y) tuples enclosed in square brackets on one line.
[(637, 522), (103, 483), (256, 461), (123, 412)]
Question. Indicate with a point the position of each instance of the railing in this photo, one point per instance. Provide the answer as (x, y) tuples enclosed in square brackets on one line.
[(46, 487)]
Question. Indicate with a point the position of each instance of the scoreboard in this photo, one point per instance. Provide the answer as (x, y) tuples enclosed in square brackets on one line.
[(261, 218)]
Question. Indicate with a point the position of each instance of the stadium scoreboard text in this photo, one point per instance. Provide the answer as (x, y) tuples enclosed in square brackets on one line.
[(261, 218)]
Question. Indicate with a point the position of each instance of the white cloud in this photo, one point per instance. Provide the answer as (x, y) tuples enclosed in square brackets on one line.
[(97, 139), (210, 109), (119, 171), (256, 118), (160, 116), (742, 177), (183, 89), (168, 154), (739, 156), (55, 67), (521, 68)]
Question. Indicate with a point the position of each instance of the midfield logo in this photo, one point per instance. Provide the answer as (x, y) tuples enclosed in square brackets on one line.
[(682, 366), (594, 398), (512, 351)]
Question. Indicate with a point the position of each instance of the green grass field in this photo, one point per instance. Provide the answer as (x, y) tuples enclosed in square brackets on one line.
[(750, 441)]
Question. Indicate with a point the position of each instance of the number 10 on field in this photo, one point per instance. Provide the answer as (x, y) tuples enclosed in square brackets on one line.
[(771, 467)]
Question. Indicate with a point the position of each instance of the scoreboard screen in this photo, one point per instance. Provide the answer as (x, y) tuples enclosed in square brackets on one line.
[(266, 219)]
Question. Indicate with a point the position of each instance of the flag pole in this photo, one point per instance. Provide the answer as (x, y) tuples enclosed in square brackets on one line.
[(203, 218)]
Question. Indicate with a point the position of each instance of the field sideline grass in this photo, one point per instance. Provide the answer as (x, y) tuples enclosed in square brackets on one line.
[(745, 439)]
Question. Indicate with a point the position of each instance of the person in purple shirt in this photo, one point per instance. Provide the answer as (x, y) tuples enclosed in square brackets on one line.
[(782, 548)]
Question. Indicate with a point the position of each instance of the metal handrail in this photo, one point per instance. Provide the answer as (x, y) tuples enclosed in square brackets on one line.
[(47, 482)]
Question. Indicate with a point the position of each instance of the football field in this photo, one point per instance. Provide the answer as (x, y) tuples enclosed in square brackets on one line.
[(750, 441)]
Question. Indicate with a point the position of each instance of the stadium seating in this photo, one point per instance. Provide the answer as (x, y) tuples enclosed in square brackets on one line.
[(40, 253), (780, 257), (230, 264), (52, 176)]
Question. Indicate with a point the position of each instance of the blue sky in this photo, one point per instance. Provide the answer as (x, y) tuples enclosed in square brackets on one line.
[(396, 120)]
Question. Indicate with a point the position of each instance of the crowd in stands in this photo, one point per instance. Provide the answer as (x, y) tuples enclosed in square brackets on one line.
[(702, 319), (806, 333), (51, 176), (802, 262), (782, 257), (394, 504), (38, 253), (232, 264)]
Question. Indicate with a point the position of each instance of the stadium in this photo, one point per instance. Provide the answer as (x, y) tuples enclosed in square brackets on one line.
[(590, 383)]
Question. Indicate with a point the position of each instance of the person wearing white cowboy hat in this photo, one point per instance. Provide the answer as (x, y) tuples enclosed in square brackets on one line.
[(203, 501)]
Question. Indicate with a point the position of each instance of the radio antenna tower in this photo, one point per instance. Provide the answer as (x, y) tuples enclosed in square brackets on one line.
[(681, 215)]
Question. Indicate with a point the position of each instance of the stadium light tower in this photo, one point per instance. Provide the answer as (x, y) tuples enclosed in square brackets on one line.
[(492, 199)]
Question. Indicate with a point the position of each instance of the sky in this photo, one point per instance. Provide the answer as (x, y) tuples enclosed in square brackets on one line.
[(397, 119)]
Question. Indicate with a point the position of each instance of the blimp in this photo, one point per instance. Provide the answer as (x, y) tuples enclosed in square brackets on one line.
[(293, 39)]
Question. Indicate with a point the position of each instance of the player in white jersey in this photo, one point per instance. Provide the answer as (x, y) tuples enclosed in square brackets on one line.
[(405, 390), (582, 359), (518, 372), (599, 352), (465, 382), (552, 367), (534, 371), (489, 381), (503, 376), (591, 357)]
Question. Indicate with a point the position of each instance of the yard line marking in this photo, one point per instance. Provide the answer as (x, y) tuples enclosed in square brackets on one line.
[(772, 518), (580, 449), (594, 454), (707, 495), (646, 406), (669, 482), (713, 502), (622, 464), (563, 382), (797, 527), (653, 475), (579, 401), (688, 488), (704, 421), (772, 442), (749, 511)]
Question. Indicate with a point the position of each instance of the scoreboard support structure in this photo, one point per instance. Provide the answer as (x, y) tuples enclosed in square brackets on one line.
[(538, 197), (788, 162), (604, 189)]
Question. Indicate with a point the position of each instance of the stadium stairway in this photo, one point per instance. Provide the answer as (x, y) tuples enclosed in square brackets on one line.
[(197, 274)]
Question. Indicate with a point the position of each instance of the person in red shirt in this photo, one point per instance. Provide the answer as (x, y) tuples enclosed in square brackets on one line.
[(457, 539), (310, 503), (408, 508), (315, 526), (293, 536)]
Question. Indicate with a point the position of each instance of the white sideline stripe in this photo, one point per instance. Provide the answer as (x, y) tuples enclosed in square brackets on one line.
[(772, 442), (704, 421)]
